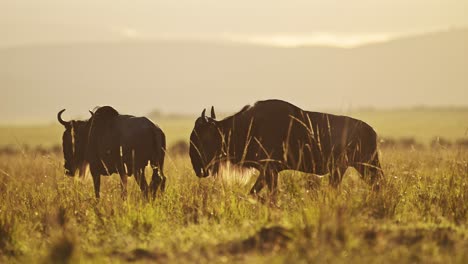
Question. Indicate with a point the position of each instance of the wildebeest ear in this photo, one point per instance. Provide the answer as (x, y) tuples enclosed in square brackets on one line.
[(203, 113), (213, 115)]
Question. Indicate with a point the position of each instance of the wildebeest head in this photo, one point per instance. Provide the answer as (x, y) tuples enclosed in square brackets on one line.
[(74, 141), (205, 145)]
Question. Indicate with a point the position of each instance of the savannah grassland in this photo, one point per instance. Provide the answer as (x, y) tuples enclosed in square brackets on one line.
[(419, 215)]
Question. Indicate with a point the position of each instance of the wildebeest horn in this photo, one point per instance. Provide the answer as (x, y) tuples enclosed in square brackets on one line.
[(91, 112), (203, 113), (59, 117), (213, 115)]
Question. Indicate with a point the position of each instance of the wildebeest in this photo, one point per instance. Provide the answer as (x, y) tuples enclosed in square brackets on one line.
[(274, 135), (114, 143)]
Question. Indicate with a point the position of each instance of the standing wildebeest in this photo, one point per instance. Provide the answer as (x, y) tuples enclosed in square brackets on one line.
[(274, 135), (114, 143)]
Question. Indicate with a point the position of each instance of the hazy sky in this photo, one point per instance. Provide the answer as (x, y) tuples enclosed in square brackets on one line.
[(334, 22), (37, 81)]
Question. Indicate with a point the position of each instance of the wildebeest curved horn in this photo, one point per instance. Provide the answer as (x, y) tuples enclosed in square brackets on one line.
[(91, 112), (203, 113), (213, 115), (59, 118)]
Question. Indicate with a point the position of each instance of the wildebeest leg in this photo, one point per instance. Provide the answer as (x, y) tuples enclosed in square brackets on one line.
[(272, 181), (370, 173), (336, 175), (259, 184), (158, 180), (163, 183), (82, 171), (97, 185), (141, 181), (377, 172), (123, 184)]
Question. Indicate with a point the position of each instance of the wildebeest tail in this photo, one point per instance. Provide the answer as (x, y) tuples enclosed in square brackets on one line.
[(160, 148)]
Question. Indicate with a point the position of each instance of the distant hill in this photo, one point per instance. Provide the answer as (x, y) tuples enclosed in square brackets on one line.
[(184, 77)]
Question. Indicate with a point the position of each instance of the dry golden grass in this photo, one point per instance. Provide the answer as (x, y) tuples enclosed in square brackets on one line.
[(419, 215)]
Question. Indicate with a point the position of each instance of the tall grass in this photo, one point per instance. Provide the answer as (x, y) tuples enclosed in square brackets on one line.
[(420, 214)]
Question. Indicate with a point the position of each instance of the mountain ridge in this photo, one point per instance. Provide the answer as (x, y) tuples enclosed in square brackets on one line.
[(185, 76)]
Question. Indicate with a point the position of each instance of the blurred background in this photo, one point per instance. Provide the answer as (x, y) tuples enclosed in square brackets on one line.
[(399, 65), (386, 61)]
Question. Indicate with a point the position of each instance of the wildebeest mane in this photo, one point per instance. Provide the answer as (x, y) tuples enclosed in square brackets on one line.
[(243, 110)]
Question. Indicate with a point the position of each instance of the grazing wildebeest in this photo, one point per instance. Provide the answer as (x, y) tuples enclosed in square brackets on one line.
[(114, 143), (274, 135)]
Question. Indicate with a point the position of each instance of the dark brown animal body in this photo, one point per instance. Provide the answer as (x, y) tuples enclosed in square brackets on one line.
[(113, 143), (274, 135)]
